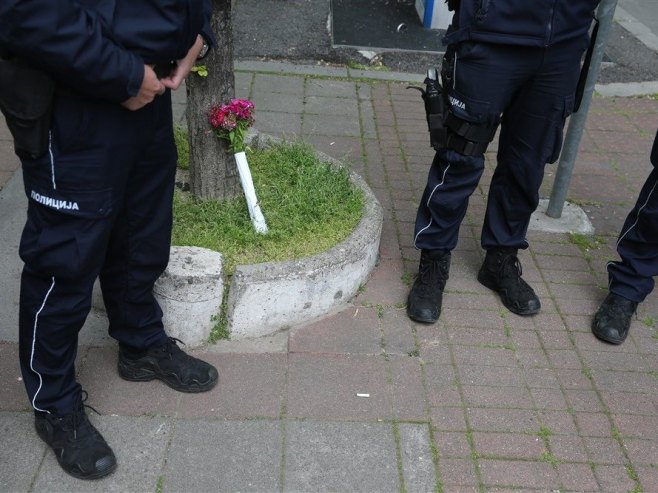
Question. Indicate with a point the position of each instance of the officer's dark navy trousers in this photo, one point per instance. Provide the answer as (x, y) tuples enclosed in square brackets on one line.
[(99, 207), (632, 277), (533, 89)]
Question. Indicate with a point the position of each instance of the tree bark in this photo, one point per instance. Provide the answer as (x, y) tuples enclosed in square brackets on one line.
[(213, 173)]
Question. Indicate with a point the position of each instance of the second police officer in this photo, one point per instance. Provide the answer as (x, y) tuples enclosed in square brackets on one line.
[(513, 63)]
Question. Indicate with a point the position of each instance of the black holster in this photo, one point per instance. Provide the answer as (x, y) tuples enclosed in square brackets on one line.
[(26, 100), (436, 108)]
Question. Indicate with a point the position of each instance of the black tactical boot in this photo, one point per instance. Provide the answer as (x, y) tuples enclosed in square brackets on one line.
[(613, 319), (426, 295), (501, 272), (79, 447), (168, 363)]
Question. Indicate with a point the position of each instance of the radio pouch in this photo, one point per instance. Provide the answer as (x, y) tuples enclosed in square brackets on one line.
[(436, 108), (26, 100)]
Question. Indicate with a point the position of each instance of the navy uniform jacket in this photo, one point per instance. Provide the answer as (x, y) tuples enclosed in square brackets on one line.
[(99, 47), (540, 23)]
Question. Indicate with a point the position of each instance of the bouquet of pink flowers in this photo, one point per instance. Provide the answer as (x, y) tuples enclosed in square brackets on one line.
[(231, 122)]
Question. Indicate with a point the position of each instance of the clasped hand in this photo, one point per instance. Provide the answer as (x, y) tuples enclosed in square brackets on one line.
[(152, 86)]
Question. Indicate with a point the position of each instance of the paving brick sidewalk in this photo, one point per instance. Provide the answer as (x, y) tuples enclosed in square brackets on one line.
[(482, 401)]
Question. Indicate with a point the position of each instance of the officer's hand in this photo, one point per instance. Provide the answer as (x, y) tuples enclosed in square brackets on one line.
[(183, 66), (151, 87)]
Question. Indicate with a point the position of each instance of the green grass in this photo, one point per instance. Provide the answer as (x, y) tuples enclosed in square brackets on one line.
[(408, 278), (583, 203), (544, 433), (220, 328), (586, 242), (309, 206), (376, 66), (182, 145), (550, 458)]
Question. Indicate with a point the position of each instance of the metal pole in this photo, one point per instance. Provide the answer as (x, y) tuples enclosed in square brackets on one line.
[(605, 14)]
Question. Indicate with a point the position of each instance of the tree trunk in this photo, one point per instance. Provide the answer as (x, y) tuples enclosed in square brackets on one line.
[(213, 173)]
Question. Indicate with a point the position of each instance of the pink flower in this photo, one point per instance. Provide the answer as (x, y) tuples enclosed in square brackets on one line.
[(242, 108), (216, 116), (232, 120)]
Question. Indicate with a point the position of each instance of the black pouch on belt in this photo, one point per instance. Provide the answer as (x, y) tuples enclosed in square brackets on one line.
[(26, 100)]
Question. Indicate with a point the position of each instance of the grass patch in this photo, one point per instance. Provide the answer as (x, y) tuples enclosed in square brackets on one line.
[(632, 474), (582, 203), (544, 433), (408, 278), (586, 242), (374, 65), (587, 373), (550, 458), (309, 205), (220, 328), (182, 146)]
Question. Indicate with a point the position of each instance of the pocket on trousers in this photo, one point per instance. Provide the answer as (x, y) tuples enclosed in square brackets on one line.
[(468, 109), (555, 144), (65, 231), (51, 250), (86, 204)]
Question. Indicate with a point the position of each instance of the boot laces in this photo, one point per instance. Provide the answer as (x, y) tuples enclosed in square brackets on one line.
[(510, 272), (78, 420), (432, 274), (171, 347), (510, 268)]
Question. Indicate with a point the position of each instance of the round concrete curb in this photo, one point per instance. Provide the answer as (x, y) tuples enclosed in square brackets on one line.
[(264, 298), (190, 292)]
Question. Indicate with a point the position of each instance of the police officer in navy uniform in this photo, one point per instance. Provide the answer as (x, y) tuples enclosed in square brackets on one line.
[(513, 63), (631, 278), (100, 200)]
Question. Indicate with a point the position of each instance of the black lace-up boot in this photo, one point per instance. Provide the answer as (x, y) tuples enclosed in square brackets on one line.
[(168, 363), (79, 447), (426, 295), (501, 272), (613, 319)]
